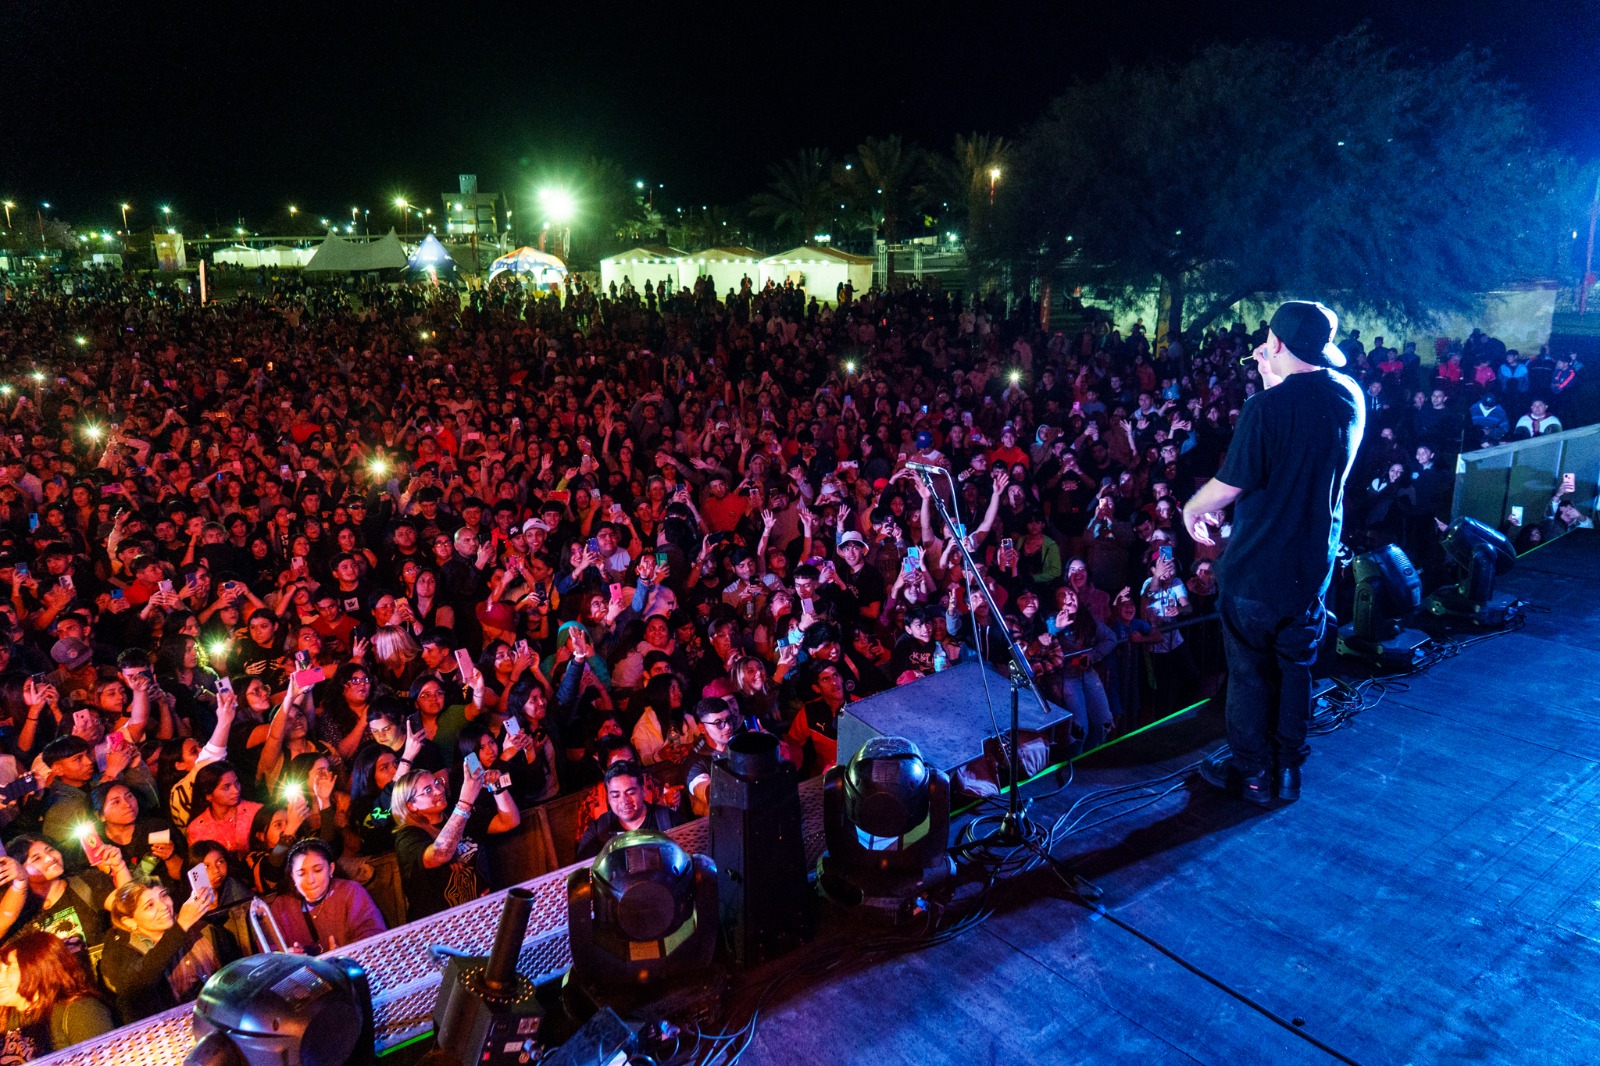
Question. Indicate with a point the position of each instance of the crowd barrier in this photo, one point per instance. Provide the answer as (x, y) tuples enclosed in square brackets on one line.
[(1525, 473), (403, 974)]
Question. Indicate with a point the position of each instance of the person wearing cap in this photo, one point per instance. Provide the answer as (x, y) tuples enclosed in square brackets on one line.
[(1285, 471), (865, 582), (66, 805)]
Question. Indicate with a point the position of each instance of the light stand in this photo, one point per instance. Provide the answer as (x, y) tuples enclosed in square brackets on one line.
[(1014, 828)]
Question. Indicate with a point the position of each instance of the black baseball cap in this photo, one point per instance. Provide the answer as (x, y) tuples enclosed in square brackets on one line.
[(1307, 329)]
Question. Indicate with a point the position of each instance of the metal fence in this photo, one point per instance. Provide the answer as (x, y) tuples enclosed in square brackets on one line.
[(1526, 473)]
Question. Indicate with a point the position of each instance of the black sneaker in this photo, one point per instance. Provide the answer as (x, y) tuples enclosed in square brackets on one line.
[(1257, 788), (1219, 772), (1289, 783)]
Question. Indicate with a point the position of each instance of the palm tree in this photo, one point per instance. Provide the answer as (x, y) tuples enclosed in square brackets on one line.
[(888, 180), (967, 178), (800, 195)]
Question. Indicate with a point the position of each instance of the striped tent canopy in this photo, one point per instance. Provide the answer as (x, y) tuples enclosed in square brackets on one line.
[(541, 268)]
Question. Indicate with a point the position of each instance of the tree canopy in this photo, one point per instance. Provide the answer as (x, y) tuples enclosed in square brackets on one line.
[(1396, 188)]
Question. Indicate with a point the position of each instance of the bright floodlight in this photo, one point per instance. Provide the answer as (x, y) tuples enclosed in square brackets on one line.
[(558, 205)]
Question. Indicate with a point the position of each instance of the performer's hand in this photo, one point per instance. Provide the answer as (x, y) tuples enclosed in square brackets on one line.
[(1198, 526)]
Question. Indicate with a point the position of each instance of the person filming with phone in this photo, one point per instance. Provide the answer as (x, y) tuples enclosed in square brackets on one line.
[(1285, 471)]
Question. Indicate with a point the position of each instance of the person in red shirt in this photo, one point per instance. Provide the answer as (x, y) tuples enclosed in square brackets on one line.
[(333, 624), (147, 576), (720, 508), (1008, 452)]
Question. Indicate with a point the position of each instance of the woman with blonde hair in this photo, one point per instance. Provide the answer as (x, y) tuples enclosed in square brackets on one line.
[(157, 957), (440, 864), (398, 656)]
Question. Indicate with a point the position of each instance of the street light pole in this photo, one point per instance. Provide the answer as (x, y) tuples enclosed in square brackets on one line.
[(1588, 259), (994, 176), (9, 205), (124, 218)]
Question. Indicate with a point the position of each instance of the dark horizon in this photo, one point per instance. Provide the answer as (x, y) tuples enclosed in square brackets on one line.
[(224, 114)]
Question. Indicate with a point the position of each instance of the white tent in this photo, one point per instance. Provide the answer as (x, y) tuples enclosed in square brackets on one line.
[(237, 255), (281, 255), (339, 255), (726, 266), (655, 263), (819, 270)]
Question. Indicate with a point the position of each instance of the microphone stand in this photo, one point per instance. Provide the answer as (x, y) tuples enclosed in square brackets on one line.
[(1014, 829)]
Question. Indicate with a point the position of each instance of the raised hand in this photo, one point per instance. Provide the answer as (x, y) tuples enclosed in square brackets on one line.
[(413, 744), (197, 906)]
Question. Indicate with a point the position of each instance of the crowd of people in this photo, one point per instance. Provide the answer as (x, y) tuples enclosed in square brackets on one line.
[(321, 574)]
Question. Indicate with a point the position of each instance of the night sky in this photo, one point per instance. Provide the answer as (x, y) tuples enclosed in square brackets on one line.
[(228, 109)]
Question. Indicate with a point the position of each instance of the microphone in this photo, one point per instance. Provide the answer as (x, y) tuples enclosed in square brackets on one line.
[(928, 468)]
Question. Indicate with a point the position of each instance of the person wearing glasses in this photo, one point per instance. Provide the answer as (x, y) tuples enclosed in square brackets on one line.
[(440, 865), (720, 721)]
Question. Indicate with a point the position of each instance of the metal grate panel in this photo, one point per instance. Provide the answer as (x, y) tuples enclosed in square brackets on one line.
[(401, 971)]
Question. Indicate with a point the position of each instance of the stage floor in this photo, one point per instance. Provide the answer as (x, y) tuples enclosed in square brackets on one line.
[(1434, 897)]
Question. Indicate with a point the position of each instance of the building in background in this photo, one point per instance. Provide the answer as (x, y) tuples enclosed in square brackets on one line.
[(470, 213)]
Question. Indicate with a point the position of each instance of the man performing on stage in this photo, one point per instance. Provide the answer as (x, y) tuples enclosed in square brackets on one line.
[(1286, 468)]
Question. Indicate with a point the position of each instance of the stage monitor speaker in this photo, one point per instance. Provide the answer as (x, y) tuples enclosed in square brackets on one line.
[(767, 908), (946, 715)]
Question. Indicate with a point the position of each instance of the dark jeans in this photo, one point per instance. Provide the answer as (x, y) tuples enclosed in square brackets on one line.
[(1269, 681)]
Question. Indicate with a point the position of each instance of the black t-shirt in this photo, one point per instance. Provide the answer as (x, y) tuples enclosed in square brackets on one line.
[(1290, 455), (867, 584), (429, 891)]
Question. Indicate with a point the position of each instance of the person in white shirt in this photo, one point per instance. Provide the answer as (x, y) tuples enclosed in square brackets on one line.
[(1537, 422)]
